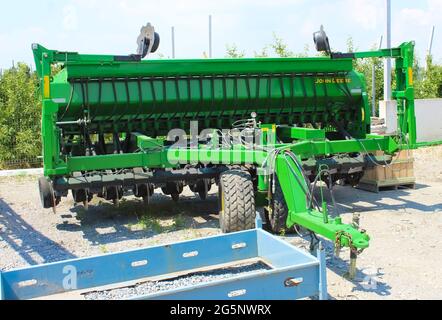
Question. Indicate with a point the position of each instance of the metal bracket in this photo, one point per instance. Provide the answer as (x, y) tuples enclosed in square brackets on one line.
[(2, 293), (323, 294), (146, 37), (258, 221)]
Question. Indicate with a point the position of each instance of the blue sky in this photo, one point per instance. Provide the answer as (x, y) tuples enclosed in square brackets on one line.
[(112, 26)]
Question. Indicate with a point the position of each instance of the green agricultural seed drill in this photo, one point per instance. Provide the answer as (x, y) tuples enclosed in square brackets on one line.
[(265, 130)]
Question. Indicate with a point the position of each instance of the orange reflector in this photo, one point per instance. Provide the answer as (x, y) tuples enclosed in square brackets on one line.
[(46, 87), (410, 76)]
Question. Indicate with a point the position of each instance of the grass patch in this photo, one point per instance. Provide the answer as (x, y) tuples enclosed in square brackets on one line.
[(179, 222), (103, 249), (147, 222)]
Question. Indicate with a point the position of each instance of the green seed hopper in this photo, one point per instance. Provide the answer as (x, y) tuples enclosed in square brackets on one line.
[(264, 130)]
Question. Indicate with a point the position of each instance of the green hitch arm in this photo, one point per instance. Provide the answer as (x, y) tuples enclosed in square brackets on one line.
[(342, 235), (294, 188)]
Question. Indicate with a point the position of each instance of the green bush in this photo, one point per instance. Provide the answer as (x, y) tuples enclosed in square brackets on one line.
[(20, 118), (429, 84)]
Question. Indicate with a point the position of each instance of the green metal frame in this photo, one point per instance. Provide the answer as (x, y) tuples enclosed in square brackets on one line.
[(305, 143)]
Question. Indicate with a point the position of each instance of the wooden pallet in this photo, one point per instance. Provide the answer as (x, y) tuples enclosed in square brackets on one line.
[(399, 174), (386, 185)]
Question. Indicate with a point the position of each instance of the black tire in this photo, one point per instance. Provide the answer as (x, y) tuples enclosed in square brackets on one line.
[(174, 189), (354, 179), (237, 201), (202, 187), (204, 191), (156, 43), (278, 217), (144, 190), (79, 196), (155, 46), (175, 197), (47, 196)]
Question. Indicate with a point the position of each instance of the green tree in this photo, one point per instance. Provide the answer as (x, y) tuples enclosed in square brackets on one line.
[(280, 47), (233, 52), (20, 117), (429, 81), (365, 66), (263, 53)]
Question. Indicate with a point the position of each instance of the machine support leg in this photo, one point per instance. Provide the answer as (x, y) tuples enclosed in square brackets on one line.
[(323, 294), (352, 271)]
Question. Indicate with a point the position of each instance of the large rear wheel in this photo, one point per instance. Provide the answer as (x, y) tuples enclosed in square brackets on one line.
[(237, 201)]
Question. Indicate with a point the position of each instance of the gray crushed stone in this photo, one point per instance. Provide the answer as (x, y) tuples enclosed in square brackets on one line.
[(148, 288)]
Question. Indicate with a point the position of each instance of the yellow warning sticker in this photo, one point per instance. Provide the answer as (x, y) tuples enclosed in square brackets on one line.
[(410, 76), (46, 87)]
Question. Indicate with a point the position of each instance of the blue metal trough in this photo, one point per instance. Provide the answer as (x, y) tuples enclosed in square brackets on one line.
[(293, 274)]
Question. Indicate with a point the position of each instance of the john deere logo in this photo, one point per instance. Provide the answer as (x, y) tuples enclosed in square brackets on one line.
[(333, 81)]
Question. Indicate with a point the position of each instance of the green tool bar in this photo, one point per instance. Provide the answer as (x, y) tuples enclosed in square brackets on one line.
[(384, 53), (314, 148), (144, 142), (301, 133), (109, 162), (169, 158), (172, 157)]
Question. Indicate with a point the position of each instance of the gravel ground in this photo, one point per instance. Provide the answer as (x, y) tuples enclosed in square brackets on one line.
[(147, 288), (403, 261)]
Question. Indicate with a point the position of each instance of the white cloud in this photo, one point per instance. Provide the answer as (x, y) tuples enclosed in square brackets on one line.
[(415, 24), (111, 26), (416, 16), (70, 18), (365, 13), (18, 46)]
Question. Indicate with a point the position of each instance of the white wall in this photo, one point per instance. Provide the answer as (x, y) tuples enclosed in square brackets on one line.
[(388, 112), (429, 120)]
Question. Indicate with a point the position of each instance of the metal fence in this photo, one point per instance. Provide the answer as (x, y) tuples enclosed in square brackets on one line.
[(21, 163)]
